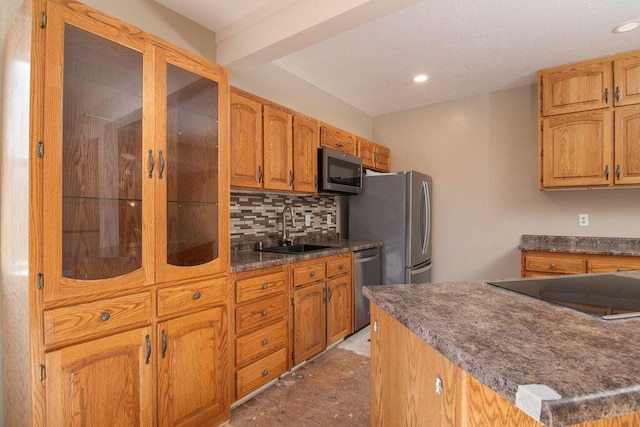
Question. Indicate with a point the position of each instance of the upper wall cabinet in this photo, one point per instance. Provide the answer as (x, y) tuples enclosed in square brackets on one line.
[(338, 139), (589, 125), (374, 156), (271, 148)]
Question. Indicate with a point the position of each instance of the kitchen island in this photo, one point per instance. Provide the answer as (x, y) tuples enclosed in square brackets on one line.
[(469, 353)]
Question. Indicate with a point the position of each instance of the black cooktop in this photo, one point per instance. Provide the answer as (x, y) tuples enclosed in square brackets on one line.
[(608, 296)]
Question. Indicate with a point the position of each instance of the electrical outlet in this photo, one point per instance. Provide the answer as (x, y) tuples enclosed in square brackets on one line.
[(307, 220), (583, 220), (328, 219)]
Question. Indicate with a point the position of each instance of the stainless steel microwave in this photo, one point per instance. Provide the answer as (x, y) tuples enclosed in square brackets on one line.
[(339, 172)]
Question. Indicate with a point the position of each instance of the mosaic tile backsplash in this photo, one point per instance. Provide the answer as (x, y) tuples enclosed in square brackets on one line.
[(258, 216)]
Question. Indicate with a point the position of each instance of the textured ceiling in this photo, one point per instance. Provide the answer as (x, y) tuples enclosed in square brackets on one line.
[(467, 47)]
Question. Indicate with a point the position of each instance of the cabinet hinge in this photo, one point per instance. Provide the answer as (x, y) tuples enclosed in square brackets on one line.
[(43, 372), (43, 20), (40, 149), (40, 281)]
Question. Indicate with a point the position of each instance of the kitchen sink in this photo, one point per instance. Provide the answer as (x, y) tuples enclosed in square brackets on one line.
[(295, 249)]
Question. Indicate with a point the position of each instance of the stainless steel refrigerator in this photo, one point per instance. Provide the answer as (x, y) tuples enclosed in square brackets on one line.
[(395, 208)]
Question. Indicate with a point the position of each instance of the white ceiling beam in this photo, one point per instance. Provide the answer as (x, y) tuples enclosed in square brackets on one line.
[(286, 26)]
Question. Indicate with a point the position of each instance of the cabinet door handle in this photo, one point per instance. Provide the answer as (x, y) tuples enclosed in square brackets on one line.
[(152, 163), (197, 295), (161, 164), (339, 144), (620, 269), (324, 295), (606, 173), (606, 96), (260, 175), (617, 94), (105, 317), (618, 171), (148, 349), (265, 341), (330, 293), (290, 178), (164, 344)]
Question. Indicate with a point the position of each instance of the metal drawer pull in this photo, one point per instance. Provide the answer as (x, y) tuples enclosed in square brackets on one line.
[(620, 269), (265, 286), (197, 295), (164, 344), (265, 341), (264, 313), (341, 267), (148, 349), (312, 274), (105, 317), (553, 265), (265, 372)]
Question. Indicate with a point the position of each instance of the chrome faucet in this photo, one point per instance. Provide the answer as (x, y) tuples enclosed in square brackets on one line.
[(287, 241)]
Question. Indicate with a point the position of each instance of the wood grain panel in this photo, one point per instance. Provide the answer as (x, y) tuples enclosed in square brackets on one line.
[(259, 313), (260, 286), (627, 145), (339, 308), (191, 297), (305, 155), (556, 263), (611, 264), (246, 142), (338, 139), (338, 265), (278, 149), (261, 372), (626, 75), (308, 273), (260, 343), (309, 321)]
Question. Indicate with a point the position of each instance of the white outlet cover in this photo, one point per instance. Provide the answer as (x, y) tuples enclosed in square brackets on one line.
[(307, 220), (583, 220), (329, 219)]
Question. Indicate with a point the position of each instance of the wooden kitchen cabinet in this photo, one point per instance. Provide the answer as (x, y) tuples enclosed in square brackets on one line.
[(626, 76), (305, 154), (374, 156), (338, 139), (322, 304), (578, 105), (577, 149), (127, 146), (247, 168), (538, 264), (261, 328), (272, 147)]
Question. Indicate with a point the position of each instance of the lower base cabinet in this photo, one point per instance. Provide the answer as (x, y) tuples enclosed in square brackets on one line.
[(539, 263), (412, 384)]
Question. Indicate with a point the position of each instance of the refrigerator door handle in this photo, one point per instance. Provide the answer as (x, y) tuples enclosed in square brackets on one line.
[(421, 270), (425, 226)]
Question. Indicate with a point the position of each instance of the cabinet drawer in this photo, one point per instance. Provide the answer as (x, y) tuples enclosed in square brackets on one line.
[(259, 313), (557, 264), (337, 139), (256, 287), (261, 372), (338, 266), (191, 297), (258, 344), (613, 264), (308, 274), (73, 324)]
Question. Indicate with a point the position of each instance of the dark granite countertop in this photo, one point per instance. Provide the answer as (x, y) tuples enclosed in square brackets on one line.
[(507, 340), (252, 260), (581, 245)]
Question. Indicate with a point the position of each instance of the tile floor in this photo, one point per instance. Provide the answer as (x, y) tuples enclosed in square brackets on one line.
[(330, 390)]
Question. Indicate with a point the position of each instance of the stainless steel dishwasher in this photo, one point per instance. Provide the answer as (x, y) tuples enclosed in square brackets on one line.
[(366, 273)]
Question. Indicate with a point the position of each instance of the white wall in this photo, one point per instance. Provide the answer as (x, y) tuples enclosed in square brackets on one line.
[(482, 155)]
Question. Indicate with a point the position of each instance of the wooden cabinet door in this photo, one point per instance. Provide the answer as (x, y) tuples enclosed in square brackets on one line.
[(577, 150), (339, 308), (247, 169), (627, 145), (95, 231), (191, 220), (278, 149), (193, 369), (382, 157), (309, 322), (626, 76), (366, 152), (305, 155), (82, 388), (576, 87), (612, 264), (405, 375), (338, 139)]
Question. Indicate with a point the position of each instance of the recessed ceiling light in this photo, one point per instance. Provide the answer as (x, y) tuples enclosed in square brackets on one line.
[(627, 26), (420, 78)]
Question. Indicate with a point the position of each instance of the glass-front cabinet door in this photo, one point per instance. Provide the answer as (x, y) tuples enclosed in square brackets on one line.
[(192, 194), (132, 176)]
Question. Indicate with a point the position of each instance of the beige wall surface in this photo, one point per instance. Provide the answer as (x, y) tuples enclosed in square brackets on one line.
[(482, 155), (277, 85)]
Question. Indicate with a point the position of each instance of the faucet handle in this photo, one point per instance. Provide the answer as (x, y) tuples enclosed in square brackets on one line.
[(288, 241)]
